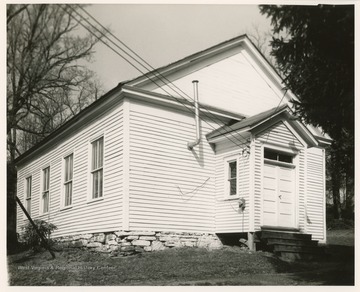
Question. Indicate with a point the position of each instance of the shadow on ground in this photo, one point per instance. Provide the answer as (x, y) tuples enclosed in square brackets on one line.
[(335, 267)]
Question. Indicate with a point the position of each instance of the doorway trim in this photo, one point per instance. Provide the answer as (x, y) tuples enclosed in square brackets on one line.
[(295, 164)]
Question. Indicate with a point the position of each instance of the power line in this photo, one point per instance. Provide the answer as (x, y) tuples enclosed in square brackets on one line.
[(145, 74), (156, 71), (276, 111)]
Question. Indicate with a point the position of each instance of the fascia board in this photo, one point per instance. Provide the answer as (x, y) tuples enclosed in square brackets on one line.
[(269, 118), (278, 82), (324, 141), (179, 65), (306, 133)]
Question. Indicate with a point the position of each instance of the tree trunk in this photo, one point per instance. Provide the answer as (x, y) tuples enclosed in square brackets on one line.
[(336, 198), (336, 183), (349, 199)]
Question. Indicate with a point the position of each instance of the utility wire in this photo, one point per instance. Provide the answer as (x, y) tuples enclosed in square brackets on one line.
[(159, 74), (145, 74), (155, 70), (193, 192), (268, 134)]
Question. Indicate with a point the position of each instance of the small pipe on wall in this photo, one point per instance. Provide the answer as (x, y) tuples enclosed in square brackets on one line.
[(191, 145)]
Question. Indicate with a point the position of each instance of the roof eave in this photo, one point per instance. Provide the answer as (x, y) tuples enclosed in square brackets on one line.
[(96, 106)]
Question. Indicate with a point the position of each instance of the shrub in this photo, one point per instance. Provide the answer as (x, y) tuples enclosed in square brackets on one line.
[(32, 239)]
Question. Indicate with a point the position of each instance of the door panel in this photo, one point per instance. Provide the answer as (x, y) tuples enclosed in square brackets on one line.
[(270, 195), (278, 195)]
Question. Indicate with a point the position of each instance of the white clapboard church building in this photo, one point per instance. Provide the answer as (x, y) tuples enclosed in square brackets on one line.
[(150, 160)]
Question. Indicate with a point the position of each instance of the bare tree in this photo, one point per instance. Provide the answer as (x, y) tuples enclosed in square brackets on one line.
[(261, 39), (45, 83)]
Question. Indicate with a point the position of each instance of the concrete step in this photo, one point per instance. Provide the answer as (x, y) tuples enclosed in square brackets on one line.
[(296, 242), (284, 235), (279, 228), (289, 243)]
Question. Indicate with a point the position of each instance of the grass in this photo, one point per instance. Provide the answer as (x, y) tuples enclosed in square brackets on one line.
[(187, 266)]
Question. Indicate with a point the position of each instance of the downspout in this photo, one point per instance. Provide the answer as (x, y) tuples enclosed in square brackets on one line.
[(191, 145)]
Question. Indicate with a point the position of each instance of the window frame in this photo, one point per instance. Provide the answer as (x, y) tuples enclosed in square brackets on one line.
[(28, 198), (43, 190), (65, 182), (95, 169), (227, 177), (279, 152)]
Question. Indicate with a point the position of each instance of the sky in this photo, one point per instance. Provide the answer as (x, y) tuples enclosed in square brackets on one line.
[(164, 33)]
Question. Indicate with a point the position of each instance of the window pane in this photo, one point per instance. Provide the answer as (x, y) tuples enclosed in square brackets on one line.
[(68, 168), (46, 202), (28, 206), (233, 187), (95, 185), (68, 193), (28, 194), (268, 154), (101, 151), (94, 155), (71, 167), (28, 187), (100, 182), (285, 158), (232, 168), (46, 179), (66, 177)]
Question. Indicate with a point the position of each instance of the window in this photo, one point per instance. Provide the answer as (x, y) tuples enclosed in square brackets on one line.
[(68, 178), (97, 161), (45, 189), (28, 194), (277, 156), (231, 174), (232, 177)]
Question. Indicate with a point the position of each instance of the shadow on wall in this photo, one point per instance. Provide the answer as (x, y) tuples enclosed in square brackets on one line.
[(198, 151)]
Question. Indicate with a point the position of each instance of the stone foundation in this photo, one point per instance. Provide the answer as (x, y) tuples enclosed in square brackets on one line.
[(123, 243)]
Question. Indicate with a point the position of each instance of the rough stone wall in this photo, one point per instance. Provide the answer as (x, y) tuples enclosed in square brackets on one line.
[(123, 243)]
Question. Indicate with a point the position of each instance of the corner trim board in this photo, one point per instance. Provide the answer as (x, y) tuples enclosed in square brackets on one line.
[(126, 164)]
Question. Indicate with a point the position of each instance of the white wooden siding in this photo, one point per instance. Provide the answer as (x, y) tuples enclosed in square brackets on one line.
[(228, 219), (315, 194), (279, 135), (83, 217), (258, 176), (241, 84), (171, 187)]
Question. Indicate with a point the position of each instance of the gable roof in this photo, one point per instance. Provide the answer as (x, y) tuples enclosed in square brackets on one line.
[(137, 83), (252, 123), (160, 76), (248, 123)]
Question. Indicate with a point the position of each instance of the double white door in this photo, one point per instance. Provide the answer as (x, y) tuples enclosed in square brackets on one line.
[(278, 207)]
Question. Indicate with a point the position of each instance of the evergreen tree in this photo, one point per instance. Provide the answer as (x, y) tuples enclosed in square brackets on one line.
[(314, 50)]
